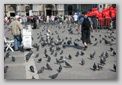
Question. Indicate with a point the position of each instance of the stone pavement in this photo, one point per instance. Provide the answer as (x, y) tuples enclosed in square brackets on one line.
[(20, 69)]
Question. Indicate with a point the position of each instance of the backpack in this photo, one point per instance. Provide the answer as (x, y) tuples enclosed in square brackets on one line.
[(86, 23)]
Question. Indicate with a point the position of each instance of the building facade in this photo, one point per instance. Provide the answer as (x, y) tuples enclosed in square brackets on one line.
[(48, 9)]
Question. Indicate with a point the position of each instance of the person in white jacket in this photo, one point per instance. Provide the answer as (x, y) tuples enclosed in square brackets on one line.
[(75, 17)]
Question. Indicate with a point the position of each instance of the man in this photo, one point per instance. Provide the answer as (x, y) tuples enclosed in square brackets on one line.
[(75, 18), (34, 22), (16, 27), (85, 24)]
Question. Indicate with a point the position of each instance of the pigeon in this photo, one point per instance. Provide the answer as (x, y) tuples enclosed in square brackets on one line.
[(112, 40), (37, 55), (77, 39), (29, 55), (55, 54), (61, 58), (5, 69), (37, 48), (66, 38), (48, 59), (111, 49), (94, 67), (57, 61), (75, 44), (91, 56), (105, 36), (39, 60), (102, 54), (100, 41), (114, 67), (69, 57), (59, 69), (106, 55), (40, 70), (92, 36), (33, 77), (67, 65), (13, 59), (7, 55), (82, 62), (46, 56), (64, 45), (77, 54), (32, 69), (48, 67), (100, 35), (107, 42), (58, 48), (99, 67), (95, 39), (53, 76), (32, 38), (35, 45), (61, 52), (82, 53), (45, 51), (102, 62), (95, 44), (69, 42), (52, 52), (114, 53)]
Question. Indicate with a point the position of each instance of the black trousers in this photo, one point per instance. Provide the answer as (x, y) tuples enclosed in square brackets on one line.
[(85, 35)]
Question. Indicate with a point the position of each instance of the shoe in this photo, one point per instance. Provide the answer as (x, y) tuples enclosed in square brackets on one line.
[(85, 44)]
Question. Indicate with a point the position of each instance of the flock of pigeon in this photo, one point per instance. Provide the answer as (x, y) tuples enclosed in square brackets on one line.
[(56, 47)]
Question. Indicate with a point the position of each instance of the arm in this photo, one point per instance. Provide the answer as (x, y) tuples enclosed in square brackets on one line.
[(91, 27), (19, 25)]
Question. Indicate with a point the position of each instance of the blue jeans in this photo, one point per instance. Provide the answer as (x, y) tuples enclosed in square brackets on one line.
[(17, 42)]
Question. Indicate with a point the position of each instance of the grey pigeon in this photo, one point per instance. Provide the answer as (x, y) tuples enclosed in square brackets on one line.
[(37, 55), (69, 57), (114, 67), (67, 65), (94, 67), (13, 59), (5, 69), (82, 62), (82, 53), (59, 69), (32, 69), (40, 70), (29, 55), (48, 59), (39, 60), (53, 76), (48, 67), (99, 67), (61, 52), (77, 54)]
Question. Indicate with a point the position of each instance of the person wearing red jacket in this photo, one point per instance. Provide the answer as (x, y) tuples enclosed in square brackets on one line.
[(113, 16), (107, 17), (100, 20)]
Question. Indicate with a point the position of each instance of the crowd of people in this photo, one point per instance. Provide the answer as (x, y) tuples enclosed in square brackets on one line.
[(91, 19)]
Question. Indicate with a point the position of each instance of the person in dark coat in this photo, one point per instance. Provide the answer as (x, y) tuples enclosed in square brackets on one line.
[(34, 22), (85, 23)]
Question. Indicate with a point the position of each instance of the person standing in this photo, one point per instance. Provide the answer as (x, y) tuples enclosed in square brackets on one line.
[(34, 22), (85, 24), (75, 17), (16, 28)]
